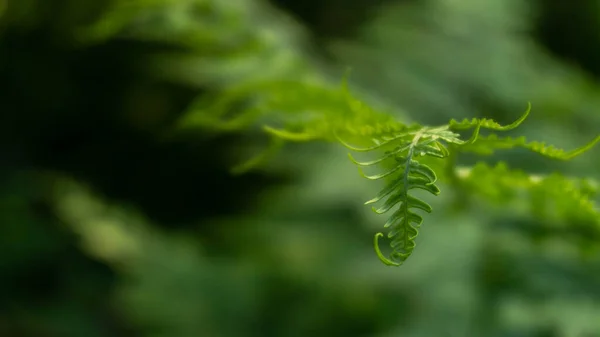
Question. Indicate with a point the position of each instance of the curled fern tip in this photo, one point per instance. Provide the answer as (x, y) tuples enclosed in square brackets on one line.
[(383, 259)]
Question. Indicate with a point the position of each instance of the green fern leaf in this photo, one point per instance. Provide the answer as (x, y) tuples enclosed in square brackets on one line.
[(406, 175), (301, 112), (466, 124), (565, 205), (485, 145)]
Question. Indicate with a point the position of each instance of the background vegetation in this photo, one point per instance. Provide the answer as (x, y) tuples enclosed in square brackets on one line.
[(117, 218)]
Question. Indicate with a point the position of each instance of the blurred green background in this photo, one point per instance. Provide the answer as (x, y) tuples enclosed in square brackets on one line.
[(113, 225)]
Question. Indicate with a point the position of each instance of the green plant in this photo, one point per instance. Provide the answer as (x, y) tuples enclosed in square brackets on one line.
[(412, 156)]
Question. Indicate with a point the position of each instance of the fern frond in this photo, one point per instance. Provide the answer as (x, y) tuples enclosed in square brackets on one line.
[(274, 146), (485, 145), (466, 124), (553, 198), (301, 112), (289, 135), (407, 174), (407, 143)]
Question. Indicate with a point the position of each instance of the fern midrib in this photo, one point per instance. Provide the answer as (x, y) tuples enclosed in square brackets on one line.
[(409, 156)]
